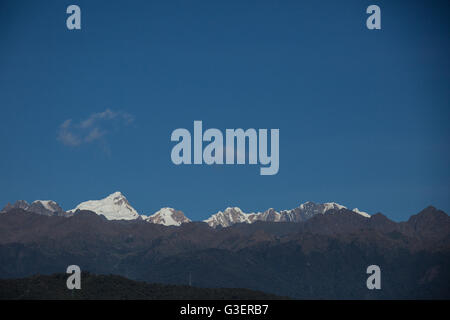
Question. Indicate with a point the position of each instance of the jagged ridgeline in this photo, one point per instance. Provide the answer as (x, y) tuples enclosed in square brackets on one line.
[(116, 207), (323, 254)]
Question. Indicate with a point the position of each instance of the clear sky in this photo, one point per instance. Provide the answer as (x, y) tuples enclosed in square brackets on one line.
[(363, 115)]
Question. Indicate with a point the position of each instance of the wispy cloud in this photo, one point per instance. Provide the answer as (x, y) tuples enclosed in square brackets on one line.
[(94, 128)]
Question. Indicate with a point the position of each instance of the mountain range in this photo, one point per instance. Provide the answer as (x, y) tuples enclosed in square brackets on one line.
[(116, 207), (322, 257)]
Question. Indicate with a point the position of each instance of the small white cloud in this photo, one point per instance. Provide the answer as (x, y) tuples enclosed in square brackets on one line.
[(95, 134), (66, 137), (94, 128), (93, 118)]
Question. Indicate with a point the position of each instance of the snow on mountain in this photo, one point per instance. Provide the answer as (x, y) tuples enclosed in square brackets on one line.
[(116, 207), (332, 205), (44, 207), (167, 217), (365, 214), (305, 211), (229, 217), (113, 207), (19, 204), (270, 215), (47, 204)]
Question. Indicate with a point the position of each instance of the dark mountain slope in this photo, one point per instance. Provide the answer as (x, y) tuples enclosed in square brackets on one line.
[(101, 287), (324, 257)]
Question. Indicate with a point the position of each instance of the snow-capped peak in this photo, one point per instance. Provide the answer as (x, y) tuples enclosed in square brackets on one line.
[(233, 215), (113, 207), (228, 217), (47, 204), (116, 207), (167, 217), (333, 205), (114, 195), (44, 207)]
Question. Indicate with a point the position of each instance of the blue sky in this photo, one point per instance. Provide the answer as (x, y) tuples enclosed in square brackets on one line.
[(363, 115)]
